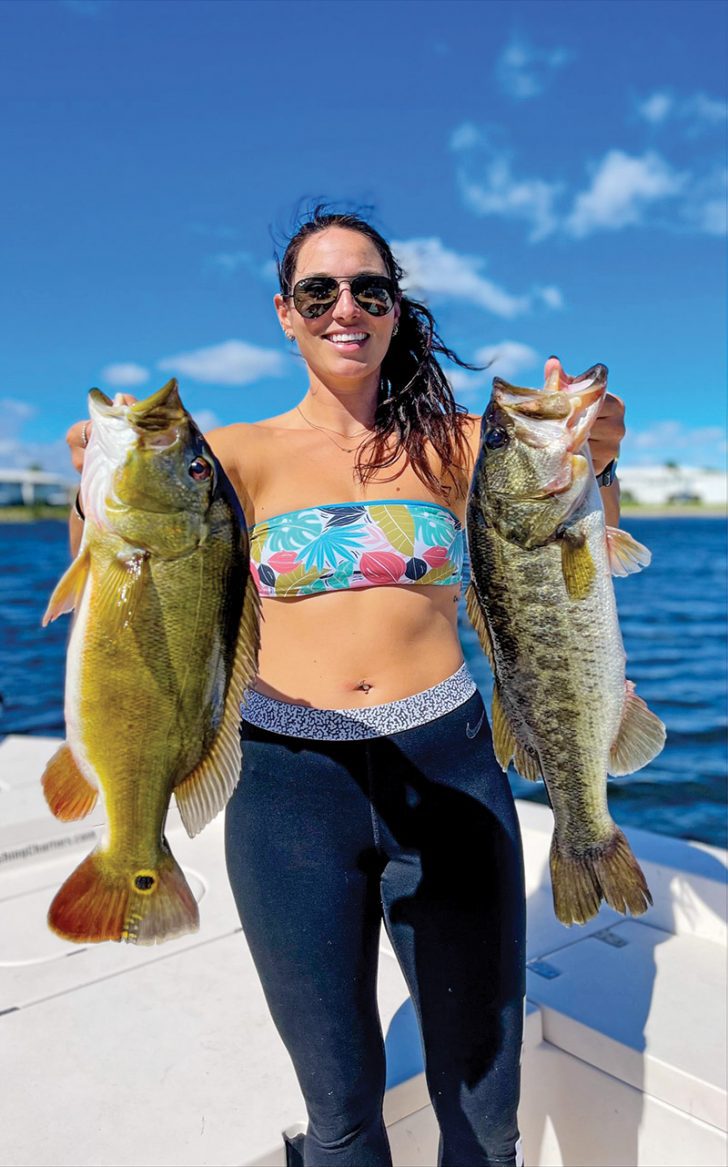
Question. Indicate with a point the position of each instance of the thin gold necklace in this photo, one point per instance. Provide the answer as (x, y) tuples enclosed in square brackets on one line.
[(327, 432)]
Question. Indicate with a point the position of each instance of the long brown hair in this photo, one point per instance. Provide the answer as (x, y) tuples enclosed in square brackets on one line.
[(415, 403)]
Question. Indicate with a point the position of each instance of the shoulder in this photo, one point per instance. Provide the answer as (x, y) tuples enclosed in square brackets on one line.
[(470, 429)]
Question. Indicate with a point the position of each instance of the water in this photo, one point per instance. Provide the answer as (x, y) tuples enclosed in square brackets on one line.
[(673, 619)]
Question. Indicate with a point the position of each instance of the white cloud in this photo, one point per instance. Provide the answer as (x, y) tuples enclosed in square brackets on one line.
[(206, 420), (14, 413), (230, 261), (551, 296), (17, 454), (674, 441), (490, 187), (125, 374), (507, 359), (432, 268), (695, 114), (655, 108), (234, 362), (622, 188), (524, 71), (705, 205)]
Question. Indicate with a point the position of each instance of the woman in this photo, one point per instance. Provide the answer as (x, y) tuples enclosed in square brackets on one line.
[(369, 789)]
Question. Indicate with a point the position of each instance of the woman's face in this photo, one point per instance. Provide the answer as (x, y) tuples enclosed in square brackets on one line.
[(346, 342)]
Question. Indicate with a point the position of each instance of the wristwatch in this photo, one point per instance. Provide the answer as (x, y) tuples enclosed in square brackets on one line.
[(608, 474)]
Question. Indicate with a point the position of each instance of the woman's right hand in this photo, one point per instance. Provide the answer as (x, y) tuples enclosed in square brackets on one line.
[(80, 432)]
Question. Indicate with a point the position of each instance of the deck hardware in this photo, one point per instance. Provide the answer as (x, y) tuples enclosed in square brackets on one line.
[(608, 937), (543, 969)]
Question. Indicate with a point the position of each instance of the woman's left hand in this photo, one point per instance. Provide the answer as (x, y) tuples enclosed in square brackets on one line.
[(607, 432)]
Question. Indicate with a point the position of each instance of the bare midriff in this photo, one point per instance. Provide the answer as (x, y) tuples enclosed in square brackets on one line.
[(359, 647)]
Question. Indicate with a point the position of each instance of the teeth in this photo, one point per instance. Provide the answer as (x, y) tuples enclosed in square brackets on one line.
[(347, 337)]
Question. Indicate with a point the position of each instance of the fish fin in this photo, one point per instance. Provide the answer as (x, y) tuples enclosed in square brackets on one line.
[(202, 794), (640, 738), (504, 739), (604, 871), (526, 763), (577, 566), (97, 902), (626, 555), (69, 589), (120, 589), (477, 619), (67, 791)]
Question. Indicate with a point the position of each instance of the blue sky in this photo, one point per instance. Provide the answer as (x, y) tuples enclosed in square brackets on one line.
[(552, 173)]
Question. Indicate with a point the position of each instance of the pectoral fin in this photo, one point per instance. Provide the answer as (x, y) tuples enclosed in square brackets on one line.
[(478, 621), (640, 738), (69, 589), (202, 794), (626, 555), (67, 791), (121, 588), (526, 763), (504, 739), (577, 566)]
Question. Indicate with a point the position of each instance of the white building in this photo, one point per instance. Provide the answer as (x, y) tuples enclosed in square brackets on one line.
[(26, 487), (666, 484)]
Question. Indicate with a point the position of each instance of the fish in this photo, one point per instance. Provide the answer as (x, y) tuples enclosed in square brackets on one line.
[(541, 600), (164, 642)]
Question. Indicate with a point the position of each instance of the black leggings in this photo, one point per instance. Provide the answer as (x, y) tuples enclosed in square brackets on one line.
[(418, 827)]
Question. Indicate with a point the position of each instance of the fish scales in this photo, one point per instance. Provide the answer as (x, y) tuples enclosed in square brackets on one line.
[(164, 642), (543, 604)]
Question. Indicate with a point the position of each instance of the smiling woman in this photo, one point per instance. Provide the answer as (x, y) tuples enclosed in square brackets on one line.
[(369, 791)]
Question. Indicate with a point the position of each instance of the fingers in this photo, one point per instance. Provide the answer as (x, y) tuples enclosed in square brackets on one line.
[(79, 433), (77, 440), (607, 432)]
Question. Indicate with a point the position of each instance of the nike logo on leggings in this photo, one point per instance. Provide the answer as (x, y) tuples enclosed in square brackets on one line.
[(472, 732)]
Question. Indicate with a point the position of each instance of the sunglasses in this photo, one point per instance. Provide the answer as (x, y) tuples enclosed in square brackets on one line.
[(316, 294)]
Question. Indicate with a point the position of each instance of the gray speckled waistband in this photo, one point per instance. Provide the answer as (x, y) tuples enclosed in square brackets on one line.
[(356, 724)]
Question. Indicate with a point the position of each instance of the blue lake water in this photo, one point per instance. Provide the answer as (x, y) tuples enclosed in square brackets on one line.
[(674, 623)]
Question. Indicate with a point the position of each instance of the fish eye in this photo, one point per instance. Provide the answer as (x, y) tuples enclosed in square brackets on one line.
[(200, 469), (496, 438)]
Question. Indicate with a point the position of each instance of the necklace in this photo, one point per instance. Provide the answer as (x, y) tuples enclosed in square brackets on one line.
[(327, 432)]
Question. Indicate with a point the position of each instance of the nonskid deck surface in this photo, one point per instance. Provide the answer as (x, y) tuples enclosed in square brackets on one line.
[(167, 1055)]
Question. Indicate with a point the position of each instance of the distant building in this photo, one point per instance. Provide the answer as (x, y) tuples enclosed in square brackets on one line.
[(28, 487), (673, 484)]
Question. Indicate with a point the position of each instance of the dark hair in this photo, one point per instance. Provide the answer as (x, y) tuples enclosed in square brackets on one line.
[(415, 401)]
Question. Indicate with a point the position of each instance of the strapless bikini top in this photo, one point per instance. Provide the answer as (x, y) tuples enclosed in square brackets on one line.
[(356, 545)]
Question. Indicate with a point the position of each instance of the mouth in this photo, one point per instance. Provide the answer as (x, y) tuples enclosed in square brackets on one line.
[(347, 341)]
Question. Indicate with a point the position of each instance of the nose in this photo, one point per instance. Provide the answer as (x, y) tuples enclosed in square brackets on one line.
[(346, 307)]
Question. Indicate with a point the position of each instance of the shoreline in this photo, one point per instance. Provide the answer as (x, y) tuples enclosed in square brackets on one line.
[(10, 515)]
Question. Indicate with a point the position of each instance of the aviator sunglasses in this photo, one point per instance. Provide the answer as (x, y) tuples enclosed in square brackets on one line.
[(316, 294)]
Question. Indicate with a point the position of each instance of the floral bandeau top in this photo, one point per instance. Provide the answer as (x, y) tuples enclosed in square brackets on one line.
[(356, 545)]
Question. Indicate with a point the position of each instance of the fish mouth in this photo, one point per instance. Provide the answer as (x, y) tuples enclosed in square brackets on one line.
[(159, 412), (566, 404)]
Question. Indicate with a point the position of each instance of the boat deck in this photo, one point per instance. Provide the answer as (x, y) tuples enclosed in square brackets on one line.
[(167, 1055)]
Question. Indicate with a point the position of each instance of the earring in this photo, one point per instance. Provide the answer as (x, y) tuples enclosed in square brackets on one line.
[(395, 330), (289, 335)]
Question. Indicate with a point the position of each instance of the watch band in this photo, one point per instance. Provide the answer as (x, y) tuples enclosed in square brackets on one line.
[(608, 474)]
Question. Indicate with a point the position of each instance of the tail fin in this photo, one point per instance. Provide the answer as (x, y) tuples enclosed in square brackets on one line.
[(606, 871), (99, 902)]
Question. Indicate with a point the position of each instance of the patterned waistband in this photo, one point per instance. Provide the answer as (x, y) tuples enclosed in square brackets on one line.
[(360, 723)]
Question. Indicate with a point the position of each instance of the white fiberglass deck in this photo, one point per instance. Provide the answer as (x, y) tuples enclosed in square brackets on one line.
[(167, 1055)]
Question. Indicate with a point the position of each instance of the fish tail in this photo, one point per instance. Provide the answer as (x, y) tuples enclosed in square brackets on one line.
[(100, 902), (605, 871)]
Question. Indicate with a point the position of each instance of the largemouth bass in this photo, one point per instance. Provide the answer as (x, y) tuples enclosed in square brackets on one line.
[(163, 643), (542, 602)]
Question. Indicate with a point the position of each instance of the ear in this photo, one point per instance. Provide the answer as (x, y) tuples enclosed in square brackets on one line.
[(283, 312)]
